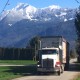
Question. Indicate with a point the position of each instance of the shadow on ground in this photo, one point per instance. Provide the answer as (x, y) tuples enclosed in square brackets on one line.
[(32, 70), (74, 67), (23, 70)]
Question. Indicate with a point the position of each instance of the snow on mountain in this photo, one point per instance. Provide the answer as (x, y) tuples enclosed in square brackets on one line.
[(26, 11), (24, 21), (54, 7)]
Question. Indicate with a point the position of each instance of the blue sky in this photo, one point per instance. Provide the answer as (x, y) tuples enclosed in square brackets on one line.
[(40, 3)]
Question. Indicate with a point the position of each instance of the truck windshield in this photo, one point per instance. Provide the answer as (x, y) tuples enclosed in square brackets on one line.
[(49, 52)]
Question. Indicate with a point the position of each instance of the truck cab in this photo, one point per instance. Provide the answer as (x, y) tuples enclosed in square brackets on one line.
[(49, 60)]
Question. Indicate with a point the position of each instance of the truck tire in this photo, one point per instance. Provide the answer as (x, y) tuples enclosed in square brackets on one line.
[(58, 73), (62, 69)]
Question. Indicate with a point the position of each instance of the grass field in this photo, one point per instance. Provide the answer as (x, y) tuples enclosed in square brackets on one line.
[(78, 78), (17, 62), (6, 75), (10, 72)]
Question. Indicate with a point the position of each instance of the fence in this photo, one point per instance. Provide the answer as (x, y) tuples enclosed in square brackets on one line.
[(16, 54)]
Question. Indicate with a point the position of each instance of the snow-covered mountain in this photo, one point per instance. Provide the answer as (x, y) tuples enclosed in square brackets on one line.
[(20, 24)]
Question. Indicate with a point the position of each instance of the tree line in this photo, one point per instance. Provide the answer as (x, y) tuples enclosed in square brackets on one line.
[(17, 54), (77, 26)]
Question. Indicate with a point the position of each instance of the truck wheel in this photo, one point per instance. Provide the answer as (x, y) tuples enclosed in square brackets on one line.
[(62, 69), (58, 73)]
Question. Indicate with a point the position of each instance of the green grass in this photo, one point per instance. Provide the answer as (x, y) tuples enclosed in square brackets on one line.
[(78, 77), (17, 62), (8, 73)]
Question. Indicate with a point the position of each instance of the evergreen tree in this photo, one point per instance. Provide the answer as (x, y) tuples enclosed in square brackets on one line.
[(34, 42), (77, 24)]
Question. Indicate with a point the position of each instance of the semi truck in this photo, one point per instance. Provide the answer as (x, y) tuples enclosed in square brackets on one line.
[(53, 54)]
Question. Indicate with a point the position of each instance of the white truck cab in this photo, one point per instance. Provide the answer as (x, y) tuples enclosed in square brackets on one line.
[(49, 60)]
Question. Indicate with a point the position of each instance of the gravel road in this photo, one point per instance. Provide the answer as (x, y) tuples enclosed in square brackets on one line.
[(67, 75)]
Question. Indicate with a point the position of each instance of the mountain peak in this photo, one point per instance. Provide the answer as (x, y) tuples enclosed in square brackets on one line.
[(54, 7), (53, 12), (21, 6), (25, 7)]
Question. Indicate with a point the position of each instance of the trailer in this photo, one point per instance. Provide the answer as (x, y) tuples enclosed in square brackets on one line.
[(53, 54)]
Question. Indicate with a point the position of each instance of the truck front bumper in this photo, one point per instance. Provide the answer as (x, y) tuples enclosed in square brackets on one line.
[(48, 69)]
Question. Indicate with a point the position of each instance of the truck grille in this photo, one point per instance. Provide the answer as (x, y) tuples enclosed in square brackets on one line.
[(47, 63)]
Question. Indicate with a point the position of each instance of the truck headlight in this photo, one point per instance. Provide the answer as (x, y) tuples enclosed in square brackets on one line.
[(38, 65)]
